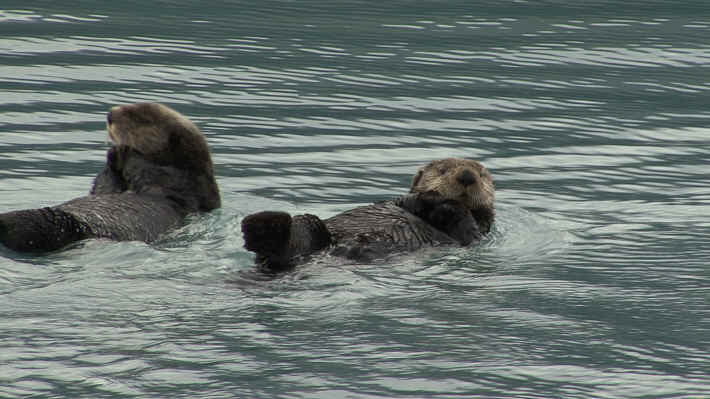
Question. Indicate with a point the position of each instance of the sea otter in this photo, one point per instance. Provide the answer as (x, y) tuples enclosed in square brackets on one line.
[(450, 203), (158, 171)]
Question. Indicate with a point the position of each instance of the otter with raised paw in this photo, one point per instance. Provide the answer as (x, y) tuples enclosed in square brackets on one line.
[(158, 171), (450, 203)]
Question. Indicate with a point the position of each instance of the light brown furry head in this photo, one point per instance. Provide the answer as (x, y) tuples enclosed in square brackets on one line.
[(161, 134), (463, 180), (166, 138)]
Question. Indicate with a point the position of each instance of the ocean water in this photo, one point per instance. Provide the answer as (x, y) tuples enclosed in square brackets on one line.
[(593, 118)]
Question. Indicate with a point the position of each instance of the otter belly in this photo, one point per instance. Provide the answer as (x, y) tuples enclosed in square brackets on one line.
[(378, 230), (126, 216), (122, 217)]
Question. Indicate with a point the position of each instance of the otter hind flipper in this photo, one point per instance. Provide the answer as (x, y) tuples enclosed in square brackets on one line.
[(40, 230), (267, 233), (279, 239)]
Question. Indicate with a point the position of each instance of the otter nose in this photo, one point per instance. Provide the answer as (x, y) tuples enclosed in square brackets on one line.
[(466, 178), (108, 118)]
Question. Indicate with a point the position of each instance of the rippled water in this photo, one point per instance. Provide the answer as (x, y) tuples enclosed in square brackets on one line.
[(593, 118)]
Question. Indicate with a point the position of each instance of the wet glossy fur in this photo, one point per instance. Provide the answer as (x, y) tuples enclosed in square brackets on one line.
[(451, 203), (142, 192)]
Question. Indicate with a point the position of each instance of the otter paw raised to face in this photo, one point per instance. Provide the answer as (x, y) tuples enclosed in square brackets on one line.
[(463, 180)]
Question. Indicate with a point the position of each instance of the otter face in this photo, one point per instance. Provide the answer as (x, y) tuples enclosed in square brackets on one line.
[(160, 133), (463, 180)]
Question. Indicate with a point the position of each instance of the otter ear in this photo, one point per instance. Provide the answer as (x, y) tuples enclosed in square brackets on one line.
[(416, 179)]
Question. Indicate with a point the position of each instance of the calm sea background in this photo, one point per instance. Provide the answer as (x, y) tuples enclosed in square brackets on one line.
[(593, 117)]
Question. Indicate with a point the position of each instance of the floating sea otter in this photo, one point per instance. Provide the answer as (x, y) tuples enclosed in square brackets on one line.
[(158, 171), (450, 202)]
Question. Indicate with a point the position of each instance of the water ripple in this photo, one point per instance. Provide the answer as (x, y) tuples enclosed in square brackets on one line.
[(592, 284)]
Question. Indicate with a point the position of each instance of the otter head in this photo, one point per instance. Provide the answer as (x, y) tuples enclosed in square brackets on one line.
[(164, 137), (463, 180), (161, 134)]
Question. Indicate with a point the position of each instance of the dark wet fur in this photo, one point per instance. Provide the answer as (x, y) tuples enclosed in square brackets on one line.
[(132, 198), (364, 233)]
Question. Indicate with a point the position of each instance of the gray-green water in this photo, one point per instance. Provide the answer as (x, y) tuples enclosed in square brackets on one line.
[(592, 116)]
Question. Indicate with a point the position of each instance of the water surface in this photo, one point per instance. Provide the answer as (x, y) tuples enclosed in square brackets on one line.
[(591, 116)]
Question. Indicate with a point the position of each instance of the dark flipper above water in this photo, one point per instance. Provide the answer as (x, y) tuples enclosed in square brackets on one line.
[(40, 230), (365, 233), (278, 239)]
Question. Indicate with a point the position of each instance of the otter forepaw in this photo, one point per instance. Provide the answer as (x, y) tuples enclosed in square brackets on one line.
[(118, 155), (420, 203), (114, 158), (465, 231), (455, 220), (267, 232)]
